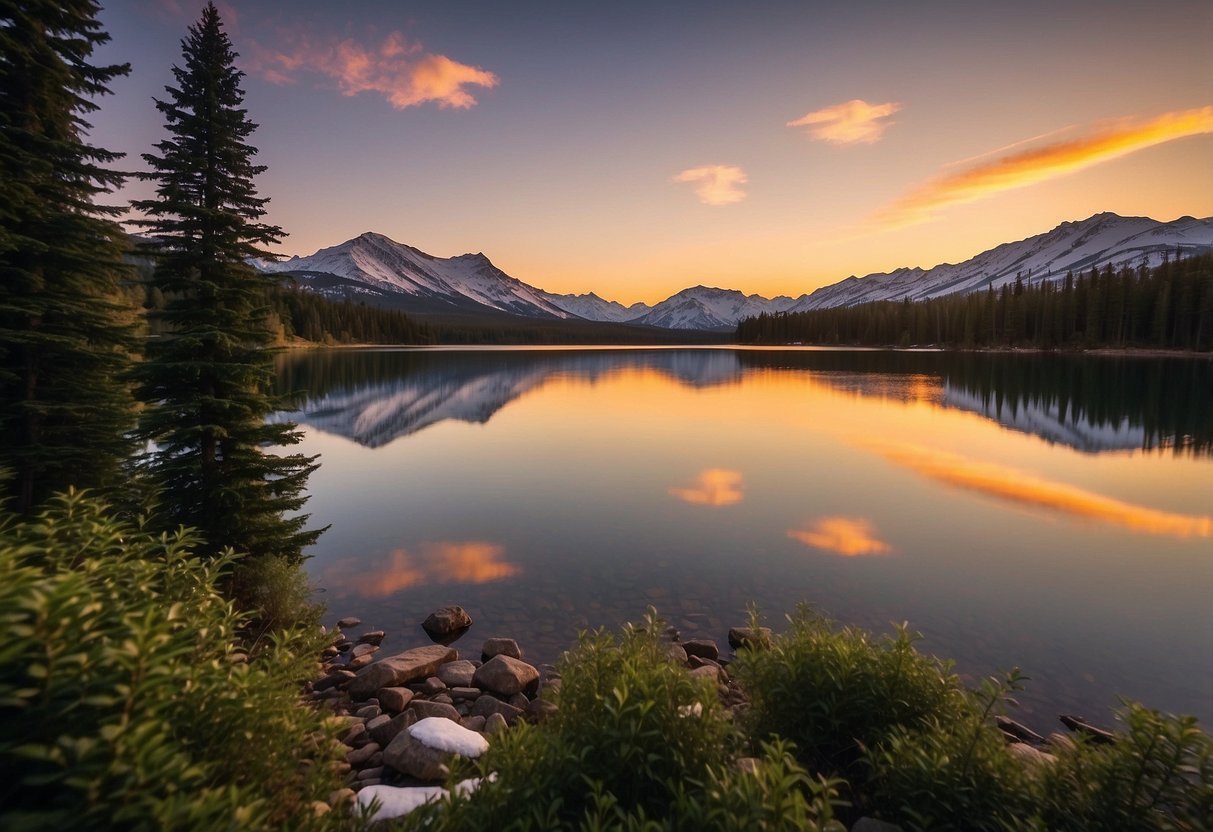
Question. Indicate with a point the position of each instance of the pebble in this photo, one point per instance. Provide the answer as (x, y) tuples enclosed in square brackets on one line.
[(346, 623)]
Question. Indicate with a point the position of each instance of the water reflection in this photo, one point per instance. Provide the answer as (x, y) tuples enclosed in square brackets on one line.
[(1089, 404), (1018, 486), (847, 536), (467, 562), (713, 487)]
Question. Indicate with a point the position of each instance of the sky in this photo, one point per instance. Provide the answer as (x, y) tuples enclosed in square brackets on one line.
[(634, 149)]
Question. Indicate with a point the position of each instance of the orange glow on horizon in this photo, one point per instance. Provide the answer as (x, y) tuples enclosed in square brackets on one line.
[(1018, 486), (847, 536), (713, 487), (470, 562)]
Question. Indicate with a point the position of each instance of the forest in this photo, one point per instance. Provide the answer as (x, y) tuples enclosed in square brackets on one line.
[(1169, 307)]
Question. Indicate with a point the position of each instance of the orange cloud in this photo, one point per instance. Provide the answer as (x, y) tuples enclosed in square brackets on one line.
[(399, 70), (1017, 486), (852, 122), (471, 562), (849, 536), (714, 487), (1038, 164), (718, 184)]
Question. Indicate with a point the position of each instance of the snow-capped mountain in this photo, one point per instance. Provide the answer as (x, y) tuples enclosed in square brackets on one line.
[(703, 307), (389, 266), (1072, 246), (593, 308)]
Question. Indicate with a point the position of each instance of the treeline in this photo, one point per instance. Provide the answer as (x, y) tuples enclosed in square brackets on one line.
[(296, 313), (1167, 307)]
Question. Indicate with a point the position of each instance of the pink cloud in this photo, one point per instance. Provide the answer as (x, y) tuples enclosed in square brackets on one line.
[(398, 69), (851, 122)]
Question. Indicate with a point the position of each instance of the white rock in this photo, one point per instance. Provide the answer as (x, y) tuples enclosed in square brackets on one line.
[(447, 735), (395, 801)]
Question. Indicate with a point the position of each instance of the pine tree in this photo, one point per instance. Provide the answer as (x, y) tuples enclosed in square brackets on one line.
[(208, 375), (66, 331)]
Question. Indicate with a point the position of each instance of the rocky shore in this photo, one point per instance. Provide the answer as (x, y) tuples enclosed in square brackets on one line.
[(403, 719)]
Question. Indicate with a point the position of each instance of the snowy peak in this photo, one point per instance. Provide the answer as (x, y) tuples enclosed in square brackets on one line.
[(593, 308), (706, 307)]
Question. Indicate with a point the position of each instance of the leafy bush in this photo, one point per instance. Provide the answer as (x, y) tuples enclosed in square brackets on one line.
[(1158, 776), (638, 743), (835, 691), (126, 700)]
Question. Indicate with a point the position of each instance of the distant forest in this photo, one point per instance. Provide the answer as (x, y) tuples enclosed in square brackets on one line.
[(1167, 307)]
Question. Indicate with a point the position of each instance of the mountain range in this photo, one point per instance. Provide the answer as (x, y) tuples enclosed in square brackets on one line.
[(383, 272)]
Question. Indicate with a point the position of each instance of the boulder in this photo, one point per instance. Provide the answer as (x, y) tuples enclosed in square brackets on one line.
[(400, 669), (676, 654), (426, 748), (446, 622), (749, 637), (505, 675), (495, 723), (430, 685), (457, 674), (383, 732), (704, 648), (500, 647), (425, 709), (395, 699)]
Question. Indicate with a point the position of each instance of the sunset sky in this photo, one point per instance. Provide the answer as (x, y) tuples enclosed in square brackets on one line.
[(635, 149)]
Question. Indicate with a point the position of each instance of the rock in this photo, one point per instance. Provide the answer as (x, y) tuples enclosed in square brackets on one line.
[(386, 731), (446, 622), (346, 623), (374, 637), (473, 723), (520, 701), (359, 756), (704, 648), (699, 661), (463, 694), (371, 773), (1016, 731), (368, 712), (431, 686), (334, 679), (866, 824), (443, 698), (540, 709), (425, 749), (359, 662), (457, 674), (343, 646), (395, 699), (400, 669), (677, 654), (397, 801), (424, 709), (1033, 758), (505, 675), (749, 637), (707, 671), (375, 723), (486, 706), (362, 649), (1095, 735), (495, 723), (356, 732), (500, 647)]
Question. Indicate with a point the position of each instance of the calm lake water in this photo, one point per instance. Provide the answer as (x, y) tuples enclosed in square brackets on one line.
[(1050, 512)]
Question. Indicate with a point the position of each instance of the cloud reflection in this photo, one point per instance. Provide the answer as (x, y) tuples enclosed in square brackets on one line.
[(1018, 486), (714, 487), (468, 562), (849, 536)]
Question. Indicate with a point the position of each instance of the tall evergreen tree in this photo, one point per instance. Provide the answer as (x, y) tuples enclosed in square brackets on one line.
[(66, 334), (208, 375)]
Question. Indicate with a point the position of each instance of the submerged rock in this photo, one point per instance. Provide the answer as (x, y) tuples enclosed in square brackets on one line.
[(447, 622)]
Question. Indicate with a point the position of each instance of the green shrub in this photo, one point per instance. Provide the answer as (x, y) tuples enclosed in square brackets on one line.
[(834, 691), (277, 594), (1158, 776), (126, 700), (953, 775)]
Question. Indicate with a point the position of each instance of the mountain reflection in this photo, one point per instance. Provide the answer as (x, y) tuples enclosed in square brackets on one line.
[(713, 487), (1018, 486), (1091, 404), (468, 562), (847, 536)]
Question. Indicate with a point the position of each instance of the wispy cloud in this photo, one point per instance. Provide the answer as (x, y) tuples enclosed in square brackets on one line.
[(1021, 487), (716, 184), (468, 562), (851, 122), (848, 536), (713, 487), (398, 69), (1038, 164)]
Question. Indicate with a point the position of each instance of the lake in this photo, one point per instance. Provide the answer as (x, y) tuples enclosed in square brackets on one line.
[(1052, 512)]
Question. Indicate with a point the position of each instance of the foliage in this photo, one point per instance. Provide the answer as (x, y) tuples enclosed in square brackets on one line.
[(207, 377), (1158, 776), (953, 775), (834, 692), (125, 698), (66, 332), (637, 744), (1167, 307)]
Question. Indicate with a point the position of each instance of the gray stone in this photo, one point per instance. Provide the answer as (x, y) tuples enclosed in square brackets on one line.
[(386, 731), (750, 637), (457, 674), (486, 706), (423, 708), (395, 699), (363, 649), (676, 653), (346, 623), (410, 756), (368, 712), (505, 675), (446, 622), (431, 685), (463, 694), (704, 648), (520, 701), (375, 723), (372, 637), (400, 669), (494, 723), (473, 723), (359, 756), (500, 647), (444, 698)]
